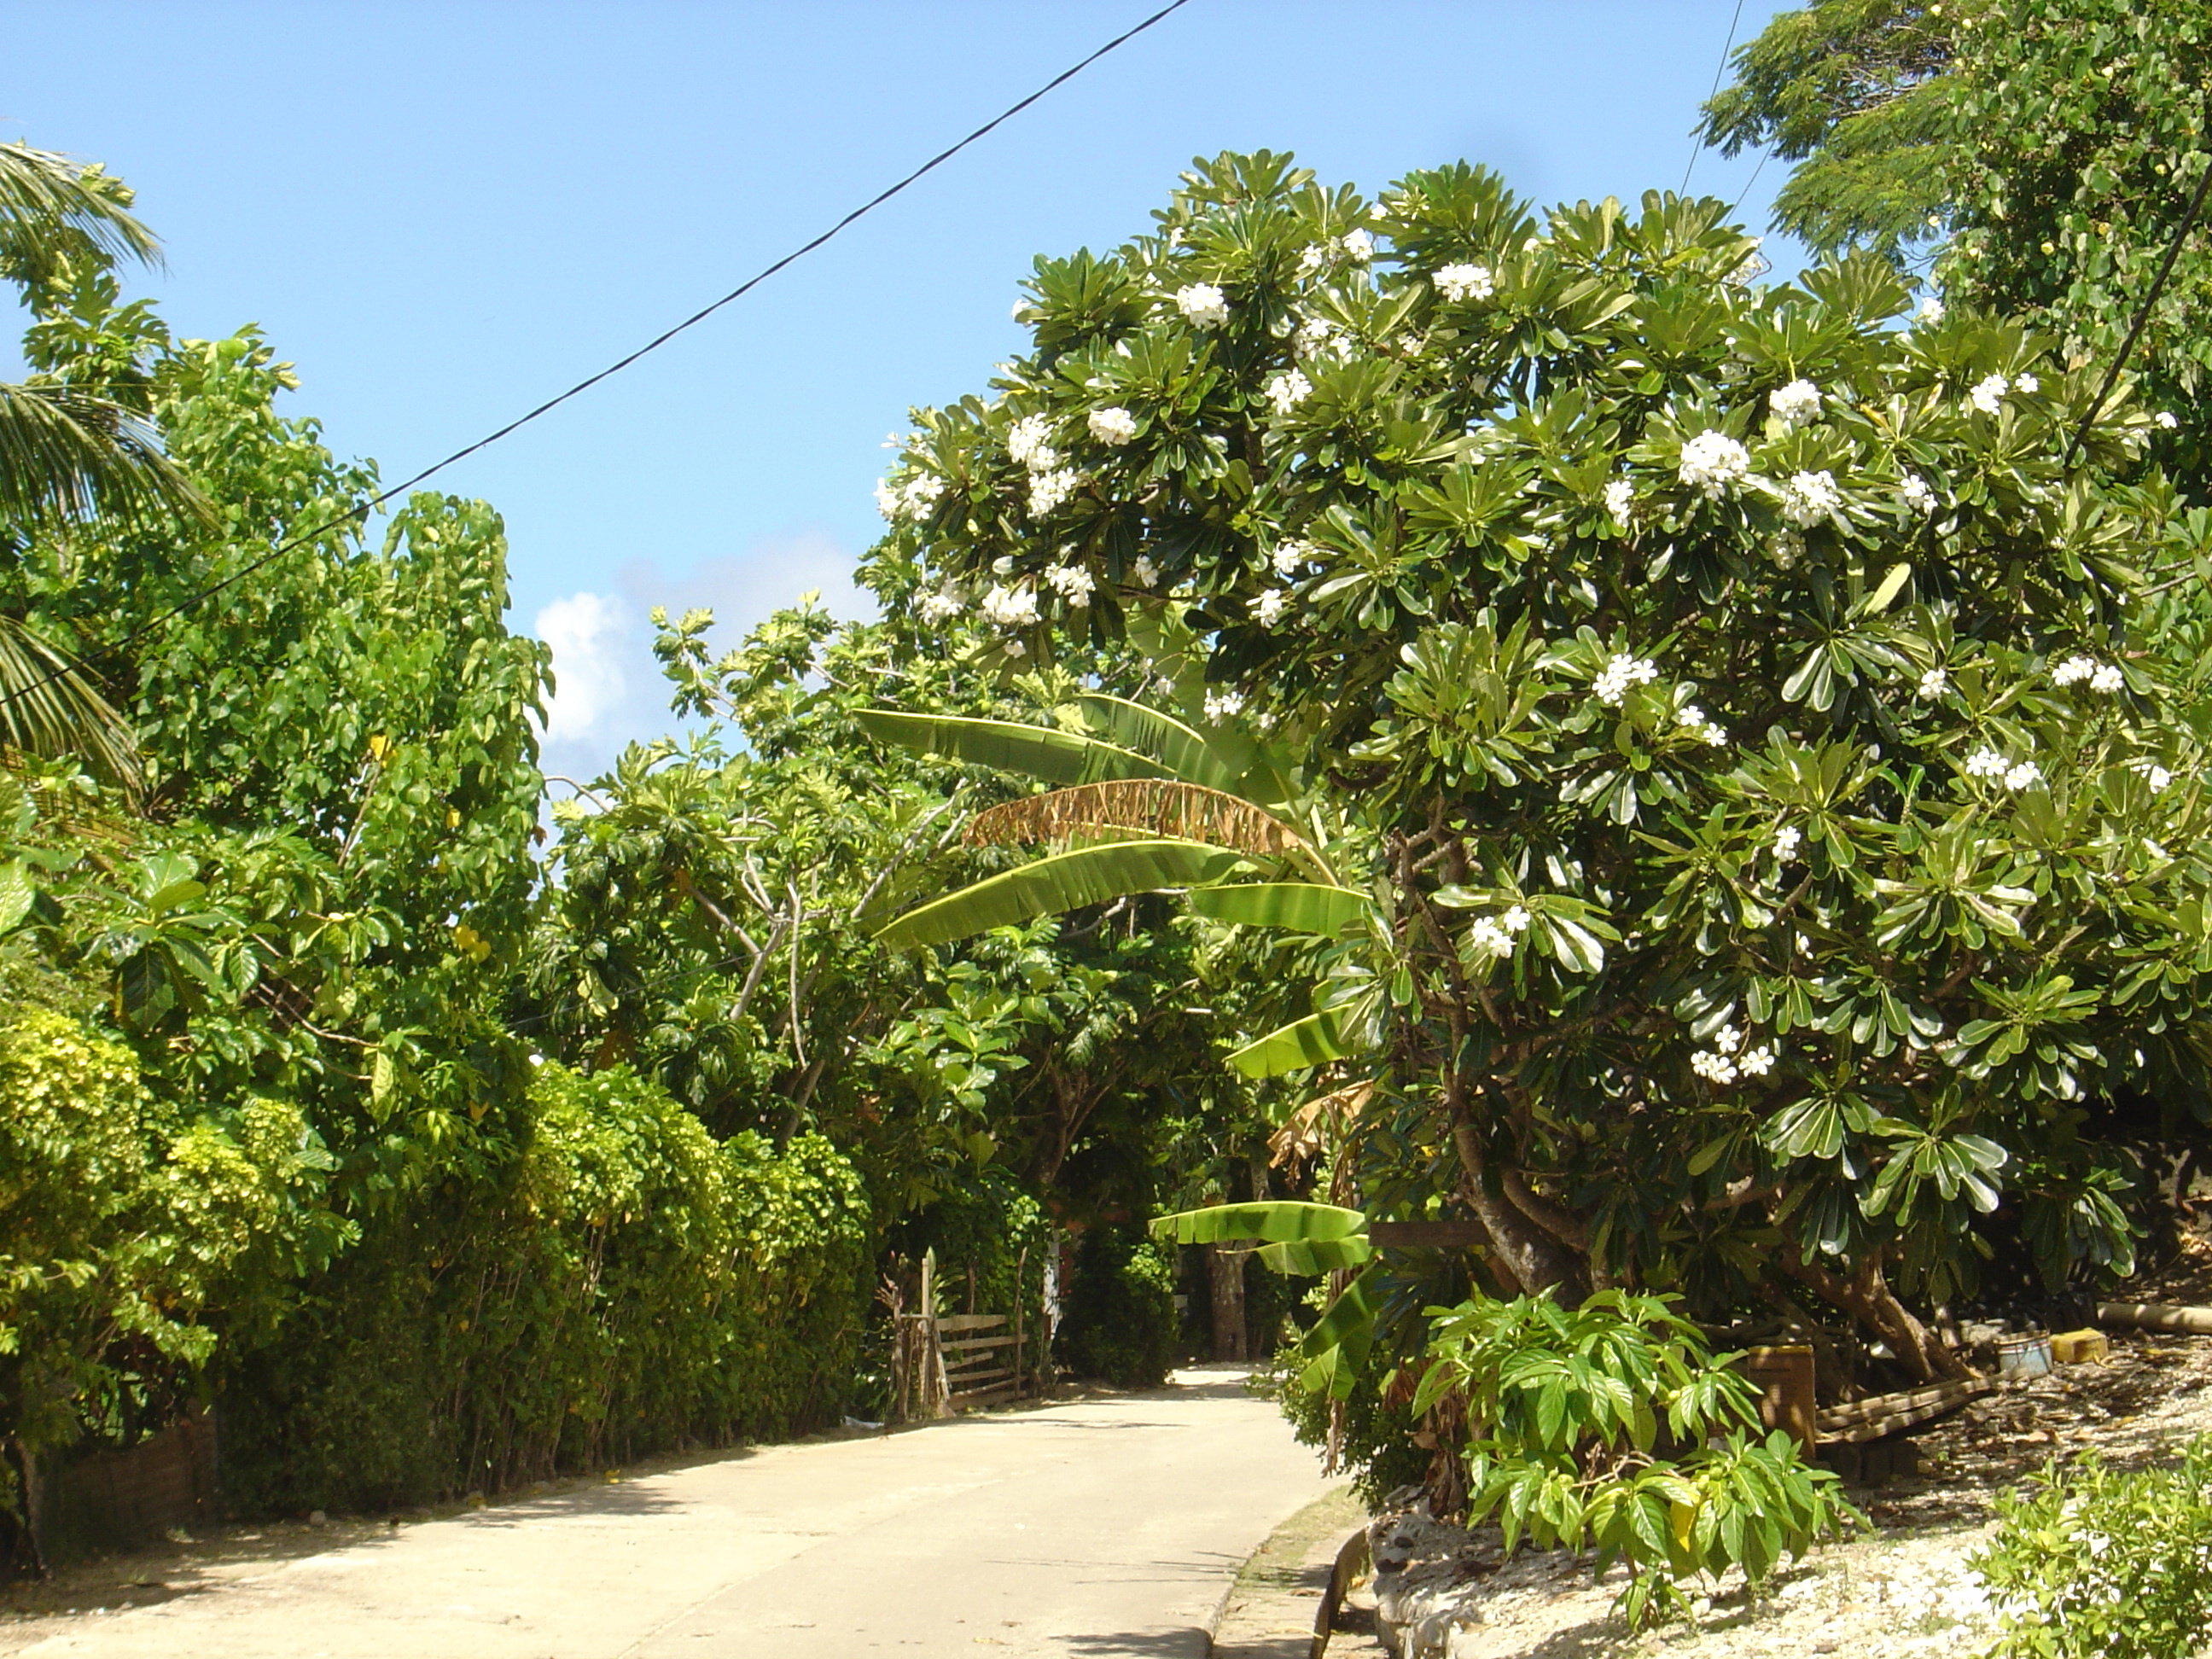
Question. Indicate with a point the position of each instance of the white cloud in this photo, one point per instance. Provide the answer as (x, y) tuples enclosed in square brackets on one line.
[(585, 631), (610, 690)]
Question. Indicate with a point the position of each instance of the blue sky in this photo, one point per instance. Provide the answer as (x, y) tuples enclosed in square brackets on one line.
[(443, 213)]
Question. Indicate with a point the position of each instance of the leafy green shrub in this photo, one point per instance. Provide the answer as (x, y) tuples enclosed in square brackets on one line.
[(628, 1284), (1567, 1411), (1119, 1324), (2093, 1562)]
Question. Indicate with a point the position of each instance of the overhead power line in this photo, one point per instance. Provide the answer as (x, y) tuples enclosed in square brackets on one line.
[(1719, 69), (616, 368)]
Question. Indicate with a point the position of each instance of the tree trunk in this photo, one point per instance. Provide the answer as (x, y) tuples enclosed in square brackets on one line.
[(1225, 1272), (1533, 1255), (1866, 1296)]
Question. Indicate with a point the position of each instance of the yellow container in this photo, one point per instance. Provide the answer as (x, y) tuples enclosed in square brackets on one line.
[(2080, 1348)]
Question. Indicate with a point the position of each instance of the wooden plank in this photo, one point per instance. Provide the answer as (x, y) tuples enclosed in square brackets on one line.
[(2156, 1316), (984, 1396), (970, 1379), (1425, 1235), (970, 1322), (1877, 1418), (976, 1343)]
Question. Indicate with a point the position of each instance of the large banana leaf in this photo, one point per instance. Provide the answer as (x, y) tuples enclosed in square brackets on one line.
[(1066, 881), (1311, 1257), (1336, 1349), (1272, 1221), (1294, 906), (1314, 1041), (1057, 758), (1187, 753)]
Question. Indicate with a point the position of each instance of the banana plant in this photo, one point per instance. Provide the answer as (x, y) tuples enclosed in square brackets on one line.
[(1145, 803), (1303, 1239)]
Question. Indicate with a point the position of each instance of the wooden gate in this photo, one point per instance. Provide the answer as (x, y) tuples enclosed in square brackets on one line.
[(947, 1362)]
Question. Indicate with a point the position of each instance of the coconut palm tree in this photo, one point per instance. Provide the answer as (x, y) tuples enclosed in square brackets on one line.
[(70, 454)]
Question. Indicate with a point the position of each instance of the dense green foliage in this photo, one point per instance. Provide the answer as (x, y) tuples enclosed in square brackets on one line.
[(628, 1283), (1119, 1322), (1612, 1427), (2093, 1561)]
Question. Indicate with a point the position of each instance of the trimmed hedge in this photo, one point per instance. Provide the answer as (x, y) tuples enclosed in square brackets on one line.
[(628, 1285)]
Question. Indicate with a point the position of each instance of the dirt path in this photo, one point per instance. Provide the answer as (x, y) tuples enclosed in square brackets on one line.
[(1108, 1527)]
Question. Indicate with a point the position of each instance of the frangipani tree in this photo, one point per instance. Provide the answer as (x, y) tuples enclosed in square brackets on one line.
[(1782, 767)]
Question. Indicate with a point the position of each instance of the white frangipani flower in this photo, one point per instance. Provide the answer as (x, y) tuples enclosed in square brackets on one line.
[(1620, 501), (1934, 683), (1003, 565), (2026, 383), (1712, 462), (1464, 281), (1048, 490), (1786, 549), (1487, 937), (1985, 762), (1203, 305), (1011, 607), (1271, 606), (1072, 582), (1756, 1062), (1287, 390), (1015, 648), (1811, 498), (2098, 675), (1917, 495), (1114, 425), (1988, 394), (1224, 705), (1313, 257), (1930, 311), (2167, 418), (1786, 840), (1515, 920), (1795, 405), (2025, 776), (2152, 773), (1617, 676), (1146, 573), (946, 603), (911, 500), (1029, 440), (1357, 246), (1289, 558)]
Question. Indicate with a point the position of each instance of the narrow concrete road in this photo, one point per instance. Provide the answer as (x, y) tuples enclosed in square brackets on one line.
[(1101, 1527)]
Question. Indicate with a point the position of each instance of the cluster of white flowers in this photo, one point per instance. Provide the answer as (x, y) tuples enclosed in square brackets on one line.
[(1464, 281), (1786, 549), (1795, 405), (2152, 773), (2167, 419), (943, 605), (1287, 390), (1112, 426), (1224, 705), (911, 500), (1146, 573), (1049, 490), (1934, 683), (1930, 311), (1988, 394), (1318, 337), (1494, 936), (2015, 775), (1011, 607), (1728, 1058), (1029, 440), (1315, 256), (1620, 500), (1073, 583), (1811, 498), (1358, 246), (1202, 305), (1270, 606), (1917, 495), (1617, 676), (1291, 558), (1712, 461), (2100, 675), (1692, 719), (1786, 840)]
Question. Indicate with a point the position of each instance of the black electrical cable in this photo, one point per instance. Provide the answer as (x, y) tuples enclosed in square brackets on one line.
[(2142, 316), (583, 385), (1719, 69)]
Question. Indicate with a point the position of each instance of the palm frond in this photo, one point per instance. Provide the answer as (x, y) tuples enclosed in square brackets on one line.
[(48, 706), (1152, 806), (49, 202), (67, 455)]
